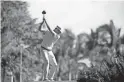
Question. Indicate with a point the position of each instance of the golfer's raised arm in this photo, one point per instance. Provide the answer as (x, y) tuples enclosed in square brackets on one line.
[(49, 28)]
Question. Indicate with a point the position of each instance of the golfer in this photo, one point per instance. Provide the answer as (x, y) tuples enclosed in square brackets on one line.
[(50, 65)]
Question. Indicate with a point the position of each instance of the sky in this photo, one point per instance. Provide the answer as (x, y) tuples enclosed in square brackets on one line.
[(78, 15)]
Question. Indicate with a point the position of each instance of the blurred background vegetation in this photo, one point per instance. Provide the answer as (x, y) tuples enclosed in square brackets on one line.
[(103, 48)]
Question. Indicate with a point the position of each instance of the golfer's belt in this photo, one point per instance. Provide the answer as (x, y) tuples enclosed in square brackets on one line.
[(45, 48)]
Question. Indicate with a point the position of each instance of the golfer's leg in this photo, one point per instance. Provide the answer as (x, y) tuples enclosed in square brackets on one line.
[(53, 65), (46, 63)]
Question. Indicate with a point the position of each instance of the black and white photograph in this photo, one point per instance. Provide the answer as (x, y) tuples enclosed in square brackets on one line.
[(62, 41)]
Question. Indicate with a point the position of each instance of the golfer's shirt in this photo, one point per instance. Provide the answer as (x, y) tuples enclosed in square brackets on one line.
[(49, 40)]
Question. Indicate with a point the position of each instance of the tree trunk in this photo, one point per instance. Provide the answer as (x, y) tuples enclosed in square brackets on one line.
[(11, 77), (76, 76), (21, 65), (59, 78), (70, 76), (3, 77)]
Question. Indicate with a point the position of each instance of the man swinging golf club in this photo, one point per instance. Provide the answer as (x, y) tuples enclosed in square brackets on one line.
[(49, 39)]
